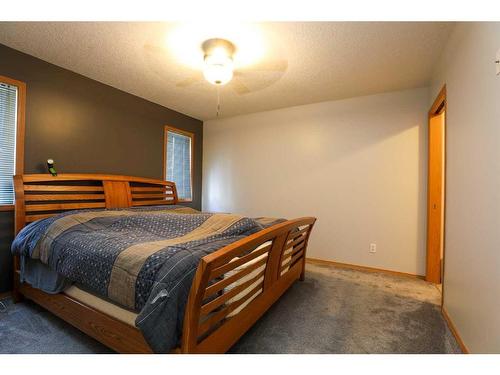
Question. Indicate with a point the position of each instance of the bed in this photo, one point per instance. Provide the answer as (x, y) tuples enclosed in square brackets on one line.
[(233, 268)]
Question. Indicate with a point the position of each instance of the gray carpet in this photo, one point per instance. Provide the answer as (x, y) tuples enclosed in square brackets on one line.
[(334, 310)]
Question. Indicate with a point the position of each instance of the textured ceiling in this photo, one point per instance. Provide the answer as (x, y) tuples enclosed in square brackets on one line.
[(318, 60)]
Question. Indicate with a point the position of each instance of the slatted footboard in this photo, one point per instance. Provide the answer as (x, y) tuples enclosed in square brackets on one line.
[(235, 285)]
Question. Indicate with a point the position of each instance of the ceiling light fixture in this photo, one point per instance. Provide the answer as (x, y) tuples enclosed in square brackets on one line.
[(218, 68), (184, 40)]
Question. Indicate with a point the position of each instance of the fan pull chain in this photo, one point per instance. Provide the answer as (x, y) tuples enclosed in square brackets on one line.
[(218, 101)]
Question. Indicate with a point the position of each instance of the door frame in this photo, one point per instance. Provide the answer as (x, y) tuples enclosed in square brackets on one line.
[(439, 105)]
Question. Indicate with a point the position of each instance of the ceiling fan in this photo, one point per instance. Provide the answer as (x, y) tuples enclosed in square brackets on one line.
[(220, 68)]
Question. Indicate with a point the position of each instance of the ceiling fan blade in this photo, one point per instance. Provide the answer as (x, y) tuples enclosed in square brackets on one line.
[(239, 87), (155, 53), (272, 65), (189, 81)]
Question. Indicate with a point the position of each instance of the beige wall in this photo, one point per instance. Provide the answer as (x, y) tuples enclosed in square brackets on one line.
[(472, 240), (359, 165)]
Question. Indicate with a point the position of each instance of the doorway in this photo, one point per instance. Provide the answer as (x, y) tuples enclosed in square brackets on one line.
[(436, 189)]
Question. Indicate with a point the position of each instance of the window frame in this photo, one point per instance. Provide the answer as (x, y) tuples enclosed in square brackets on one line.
[(20, 129), (167, 129)]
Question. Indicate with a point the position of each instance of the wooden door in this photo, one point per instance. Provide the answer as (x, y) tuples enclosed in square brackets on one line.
[(435, 201)]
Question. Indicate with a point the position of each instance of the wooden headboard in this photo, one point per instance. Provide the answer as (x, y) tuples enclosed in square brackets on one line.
[(42, 195)]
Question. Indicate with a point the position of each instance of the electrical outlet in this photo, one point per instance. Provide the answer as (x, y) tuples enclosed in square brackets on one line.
[(373, 248)]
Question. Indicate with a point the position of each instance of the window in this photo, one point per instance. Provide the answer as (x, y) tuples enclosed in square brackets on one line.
[(12, 100), (179, 161)]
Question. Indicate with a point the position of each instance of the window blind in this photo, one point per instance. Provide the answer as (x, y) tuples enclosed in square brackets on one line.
[(179, 163), (8, 125)]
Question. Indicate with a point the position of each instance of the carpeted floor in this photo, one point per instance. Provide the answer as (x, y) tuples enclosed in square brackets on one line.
[(335, 310)]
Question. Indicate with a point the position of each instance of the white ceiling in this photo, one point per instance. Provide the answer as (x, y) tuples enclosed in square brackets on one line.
[(323, 60)]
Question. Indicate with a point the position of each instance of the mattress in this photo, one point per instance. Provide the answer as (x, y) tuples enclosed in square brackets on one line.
[(39, 276), (129, 317), (99, 304)]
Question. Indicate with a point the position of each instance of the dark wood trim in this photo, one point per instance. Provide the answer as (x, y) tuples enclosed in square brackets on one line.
[(454, 331), (187, 134), (7, 207), (362, 268), (21, 119)]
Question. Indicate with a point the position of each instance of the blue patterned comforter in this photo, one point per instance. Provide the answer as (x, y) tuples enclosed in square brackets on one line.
[(143, 259)]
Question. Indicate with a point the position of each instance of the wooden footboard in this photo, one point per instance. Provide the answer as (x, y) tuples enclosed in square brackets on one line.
[(233, 287)]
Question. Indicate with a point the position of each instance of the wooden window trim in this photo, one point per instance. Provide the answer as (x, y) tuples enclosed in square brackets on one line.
[(187, 134), (21, 119)]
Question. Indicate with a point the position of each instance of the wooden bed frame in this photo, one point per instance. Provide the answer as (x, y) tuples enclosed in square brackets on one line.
[(211, 325)]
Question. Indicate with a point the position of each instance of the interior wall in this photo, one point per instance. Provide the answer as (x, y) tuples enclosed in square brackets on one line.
[(88, 127), (472, 238), (358, 165)]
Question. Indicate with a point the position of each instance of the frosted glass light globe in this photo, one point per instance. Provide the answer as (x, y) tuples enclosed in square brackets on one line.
[(218, 68)]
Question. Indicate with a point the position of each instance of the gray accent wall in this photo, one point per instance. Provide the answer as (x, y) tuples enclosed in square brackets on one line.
[(88, 127)]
